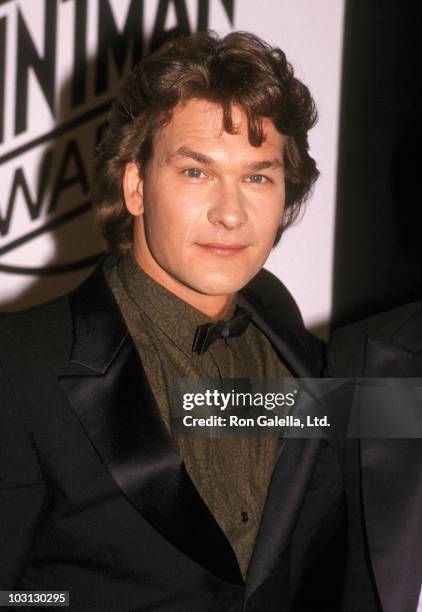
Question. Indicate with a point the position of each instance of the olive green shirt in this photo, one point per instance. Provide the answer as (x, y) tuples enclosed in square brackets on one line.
[(231, 474)]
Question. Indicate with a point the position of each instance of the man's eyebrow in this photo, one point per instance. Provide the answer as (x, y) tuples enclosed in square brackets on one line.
[(266, 164), (201, 158)]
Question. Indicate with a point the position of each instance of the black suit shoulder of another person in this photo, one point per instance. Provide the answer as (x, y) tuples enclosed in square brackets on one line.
[(348, 346), (382, 476)]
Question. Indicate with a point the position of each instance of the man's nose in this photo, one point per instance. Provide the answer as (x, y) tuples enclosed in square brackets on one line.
[(228, 207)]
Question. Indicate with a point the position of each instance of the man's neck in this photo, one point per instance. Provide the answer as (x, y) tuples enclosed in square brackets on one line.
[(214, 306)]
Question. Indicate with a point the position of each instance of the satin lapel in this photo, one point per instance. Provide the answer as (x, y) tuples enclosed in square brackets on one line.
[(295, 461), (115, 405), (392, 489), (294, 466)]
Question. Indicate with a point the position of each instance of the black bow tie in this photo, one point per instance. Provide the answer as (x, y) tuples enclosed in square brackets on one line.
[(208, 332)]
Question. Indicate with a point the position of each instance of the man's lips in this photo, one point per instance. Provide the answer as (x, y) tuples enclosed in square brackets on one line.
[(224, 249)]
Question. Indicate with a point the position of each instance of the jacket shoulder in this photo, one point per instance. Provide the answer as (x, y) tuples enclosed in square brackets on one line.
[(346, 348), (36, 333)]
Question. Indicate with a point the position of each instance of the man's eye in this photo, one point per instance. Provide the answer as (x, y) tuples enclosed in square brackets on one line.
[(257, 178), (194, 173)]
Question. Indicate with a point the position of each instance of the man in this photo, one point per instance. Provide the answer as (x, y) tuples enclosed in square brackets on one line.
[(383, 476), (204, 163)]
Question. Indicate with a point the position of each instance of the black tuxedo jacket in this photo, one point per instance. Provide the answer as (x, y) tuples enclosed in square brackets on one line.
[(94, 497), (383, 477)]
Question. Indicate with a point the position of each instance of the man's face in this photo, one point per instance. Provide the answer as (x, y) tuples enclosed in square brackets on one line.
[(210, 203)]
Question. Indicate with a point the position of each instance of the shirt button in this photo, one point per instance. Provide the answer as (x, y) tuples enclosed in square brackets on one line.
[(245, 516)]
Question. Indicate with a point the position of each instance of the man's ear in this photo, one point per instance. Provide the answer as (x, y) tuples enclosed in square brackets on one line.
[(133, 189)]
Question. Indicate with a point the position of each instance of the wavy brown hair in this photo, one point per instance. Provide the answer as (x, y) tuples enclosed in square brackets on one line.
[(238, 69)]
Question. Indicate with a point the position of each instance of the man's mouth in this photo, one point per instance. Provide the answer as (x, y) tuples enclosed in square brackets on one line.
[(223, 249)]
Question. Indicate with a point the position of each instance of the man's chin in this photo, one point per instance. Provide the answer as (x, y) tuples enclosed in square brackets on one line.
[(219, 287)]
